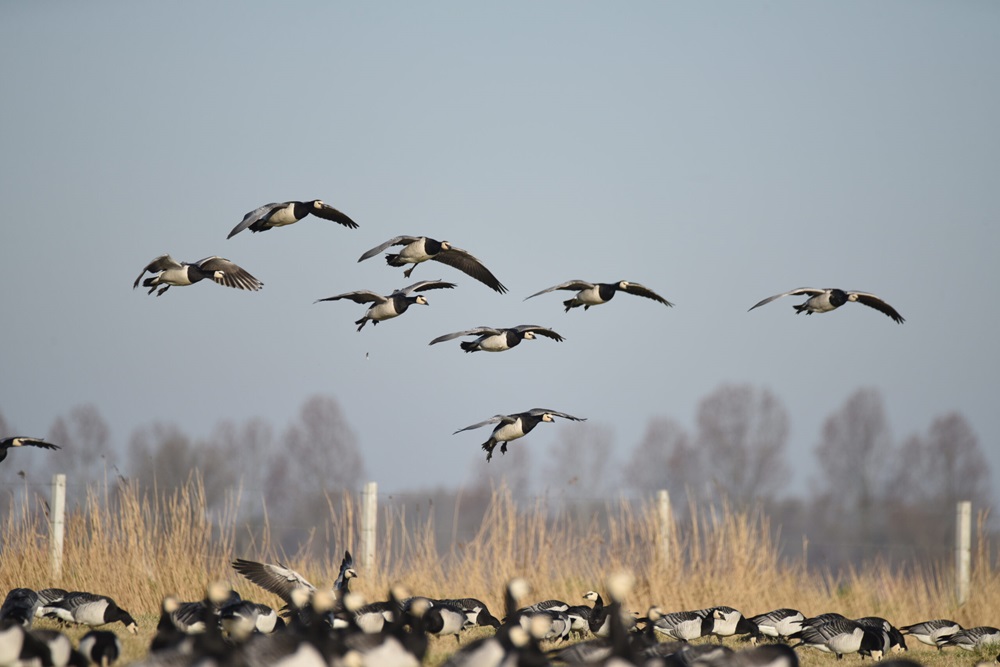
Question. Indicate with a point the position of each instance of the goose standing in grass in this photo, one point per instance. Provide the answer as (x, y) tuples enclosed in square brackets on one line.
[(489, 339), (91, 609), (393, 305), (727, 622), (825, 300), (100, 647), (512, 427), (169, 272), (277, 214), (594, 294), (682, 625), (476, 611), (443, 619), (597, 620), (420, 249), (21, 441), (932, 632), (972, 638), (780, 623), (842, 636), (892, 637)]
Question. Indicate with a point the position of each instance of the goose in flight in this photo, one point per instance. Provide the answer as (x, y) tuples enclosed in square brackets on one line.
[(489, 339), (421, 249), (825, 300), (21, 441), (277, 214), (594, 294), (512, 427), (393, 305), (169, 272)]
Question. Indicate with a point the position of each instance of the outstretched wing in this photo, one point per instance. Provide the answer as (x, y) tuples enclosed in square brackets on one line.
[(535, 412), (480, 331), (642, 290), (361, 296), (231, 274), (465, 262), (425, 285), (877, 303), (811, 291), (396, 240), (575, 285), (261, 213), (327, 212), (496, 419), (21, 441), (159, 264), (541, 331), (277, 579)]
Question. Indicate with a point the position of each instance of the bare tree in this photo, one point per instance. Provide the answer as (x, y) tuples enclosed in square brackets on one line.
[(247, 447), (742, 432), (85, 439), (580, 461), (664, 459), (319, 452)]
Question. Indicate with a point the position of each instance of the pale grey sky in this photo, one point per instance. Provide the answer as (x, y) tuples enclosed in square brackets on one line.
[(715, 152)]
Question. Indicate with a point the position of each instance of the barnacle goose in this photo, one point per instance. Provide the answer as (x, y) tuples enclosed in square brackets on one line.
[(972, 638), (90, 609), (21, 441), (100, 647), (20, 606), (825, 300), (421, 249), (514, 426), (392, 305), (931, 632), (171, 273), (841, 636), (491, 339), (277, 214), (780, 623), (595, 294)]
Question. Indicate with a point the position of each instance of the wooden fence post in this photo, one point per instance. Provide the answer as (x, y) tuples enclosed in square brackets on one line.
[(666, 523), (369, 516), (963, 549), (57, 523)]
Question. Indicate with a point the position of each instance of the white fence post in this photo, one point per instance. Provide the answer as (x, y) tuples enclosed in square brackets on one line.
[(663, 510), (57, 523), (369, 515), (963, 548)]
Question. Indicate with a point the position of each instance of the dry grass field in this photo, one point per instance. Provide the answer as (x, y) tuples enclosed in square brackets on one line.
[(146, 548)]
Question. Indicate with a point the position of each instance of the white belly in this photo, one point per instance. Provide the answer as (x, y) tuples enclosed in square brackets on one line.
[(590, 296), (846, 643), (494, 343), (177, 277), (414, 253), (282, 217), (382, 311), (509, 432)]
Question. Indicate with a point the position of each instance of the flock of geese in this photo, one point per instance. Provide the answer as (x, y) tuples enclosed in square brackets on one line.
[(334, 627), (414, 250)]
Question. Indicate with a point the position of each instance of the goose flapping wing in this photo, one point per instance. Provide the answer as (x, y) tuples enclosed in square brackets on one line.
[(495, 419), (396, 240), (361, 296), (259, 213), (811, 291), (478, 331), (327, 212), (229, 274), (465, 262), (878, 304), (536, 412), (575, 285), (642, 290), (425, 285), (276, 579), (161, 263)]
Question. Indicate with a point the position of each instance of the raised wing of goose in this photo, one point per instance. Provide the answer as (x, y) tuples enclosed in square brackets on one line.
[(161, 263), (425, 285), (575, 285), (811, 291), (229, 274), (468, 264), (360, 296), (279, 214), (396, 240), (495, 419), (276, 579), (643, 291)]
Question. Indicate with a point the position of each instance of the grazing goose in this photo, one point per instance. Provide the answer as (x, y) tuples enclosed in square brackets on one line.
[(842, 636), (100, 647), (892, 637), (91, 609), (727, 622), (169, 272), (393, 305), (594, 294), (489, 339), (21, 441), (443, 619), (825, 300), (20, 606), (780, 623), (683, 625), (190, 617), (475, 610), (421, 249), (972, 638), (276, 214), (512, 427), (931, 632)]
